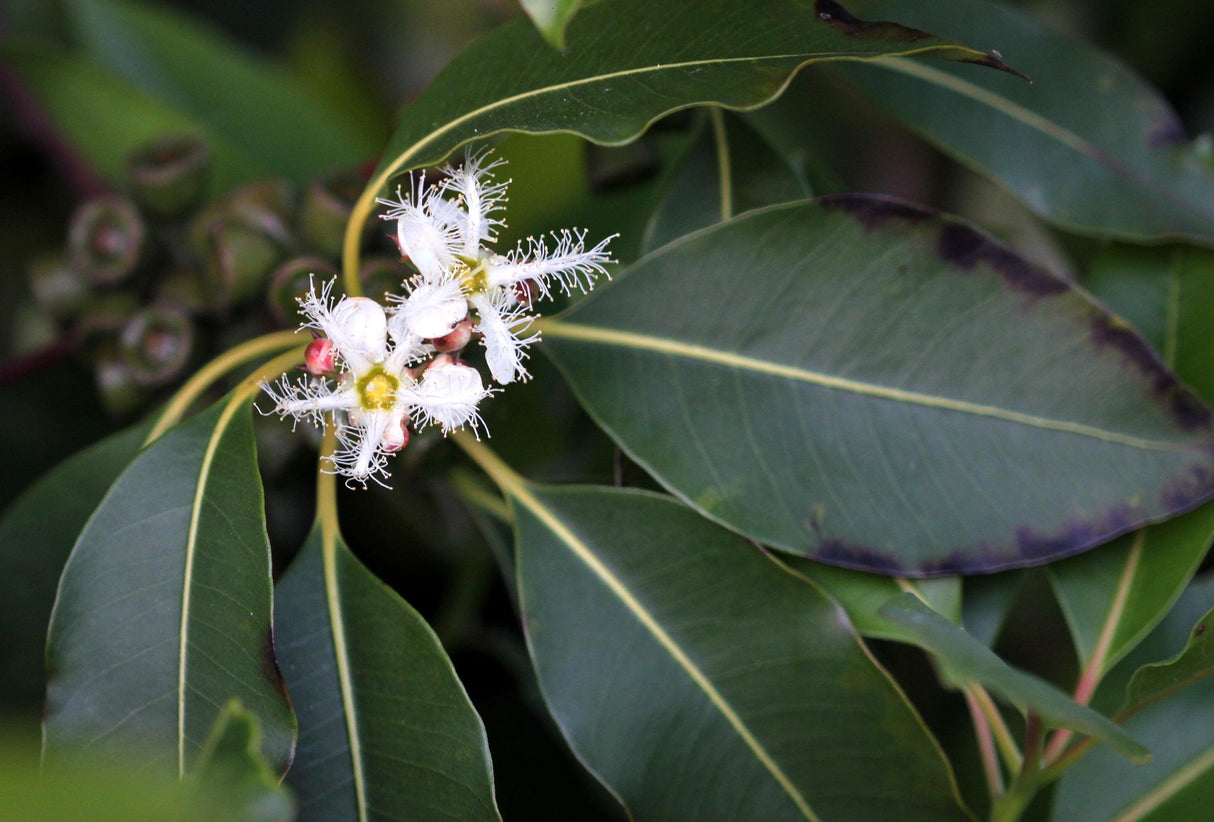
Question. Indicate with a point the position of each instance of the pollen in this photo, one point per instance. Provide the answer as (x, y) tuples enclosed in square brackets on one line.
[(377, 390), (474, 277)]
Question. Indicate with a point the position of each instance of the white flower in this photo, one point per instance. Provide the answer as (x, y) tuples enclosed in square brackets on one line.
[(445, 230), (373, 395)]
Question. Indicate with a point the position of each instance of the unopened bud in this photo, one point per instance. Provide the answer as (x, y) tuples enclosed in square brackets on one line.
[(121, 395), (318, 357), (58, 288), (169, 176), (243, 237), (106, 239), (157, 343), (381, 276), (181, 288), (455, 339), (291, 281), (396, 437), (325, 212)]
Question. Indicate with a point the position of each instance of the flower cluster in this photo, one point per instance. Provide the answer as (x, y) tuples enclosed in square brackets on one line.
[(376, 373)]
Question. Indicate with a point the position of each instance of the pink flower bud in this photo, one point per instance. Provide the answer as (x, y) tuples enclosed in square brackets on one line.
[(318, 358), (456, 338)]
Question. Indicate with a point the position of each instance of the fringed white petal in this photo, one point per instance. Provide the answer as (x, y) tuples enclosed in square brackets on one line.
[(569, 264), (447, 396), (432, 308), (502, 322)]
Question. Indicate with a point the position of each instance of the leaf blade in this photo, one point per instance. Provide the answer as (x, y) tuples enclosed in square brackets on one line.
[(639, 650), (841, 378), (145, 643)]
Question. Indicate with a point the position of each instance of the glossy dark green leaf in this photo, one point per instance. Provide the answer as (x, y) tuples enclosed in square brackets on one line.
[(36, 535), (728, 170), (386, 730), (232, 780), (1179, 780), (104, 119), (551, 17), (245, 102), (1089, 146), (876, 386), (965, 659), (163, 612), (697, 678), (627, 63)]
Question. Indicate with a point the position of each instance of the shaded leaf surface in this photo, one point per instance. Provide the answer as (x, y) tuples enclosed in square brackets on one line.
[(1179, 780), (276, 124), (964, 658), (551, 17), (1088, 146), (1194, 663), (36, 536), (700, 680), (386, 731), (104, 119), (232, 781), (875, 386), (163, 611)]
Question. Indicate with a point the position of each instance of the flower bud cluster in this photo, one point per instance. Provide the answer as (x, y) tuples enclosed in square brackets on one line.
[(375, 372)]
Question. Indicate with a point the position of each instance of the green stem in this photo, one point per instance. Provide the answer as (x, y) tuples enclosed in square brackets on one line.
[(986, 747), (721, 138), (189, 393), (1011, 806)]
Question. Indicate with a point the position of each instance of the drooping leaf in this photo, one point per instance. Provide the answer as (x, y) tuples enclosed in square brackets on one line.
[(876, 386), (696, 677), (728, 170), (104, 119), (964, 658), (862, 595), (386, 730), (1179, 780), (1089, 146), (610, 83), (277, 124), (37, 533), (551, 17), (232, 780), (163, 612), (986, 603)]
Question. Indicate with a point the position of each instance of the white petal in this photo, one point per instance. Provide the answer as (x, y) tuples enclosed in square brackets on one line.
[(481, 198), (447, 395), (360, 331), (569, 263), (432, 309), (501, 322), (428, 228), (308, 399)]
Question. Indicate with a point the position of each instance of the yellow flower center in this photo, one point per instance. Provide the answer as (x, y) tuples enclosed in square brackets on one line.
[(377, 390), (474, 278)]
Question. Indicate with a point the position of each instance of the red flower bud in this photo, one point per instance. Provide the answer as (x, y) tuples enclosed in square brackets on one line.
[(318, 358)]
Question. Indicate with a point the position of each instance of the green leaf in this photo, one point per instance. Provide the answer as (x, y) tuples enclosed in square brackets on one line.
[(1167, 293), (1113, 597), (164, 607), (695, 677), (876, 386), (728, 170), (104, 119), (863, 595), (610, 84), (1178, 782), (36, 535), (232, 780), (1154, 682), (279, 127), (963, 659), (551, 17), (386, 730), (1088, 146)]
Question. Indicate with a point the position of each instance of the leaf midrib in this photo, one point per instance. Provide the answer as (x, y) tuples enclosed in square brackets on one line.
[(647, 620), (562, 329)]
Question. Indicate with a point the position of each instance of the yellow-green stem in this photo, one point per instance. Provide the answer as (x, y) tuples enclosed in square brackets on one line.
[(189, 393), (724, 171), (986, 748), (1011, 806), (1003, 737)]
